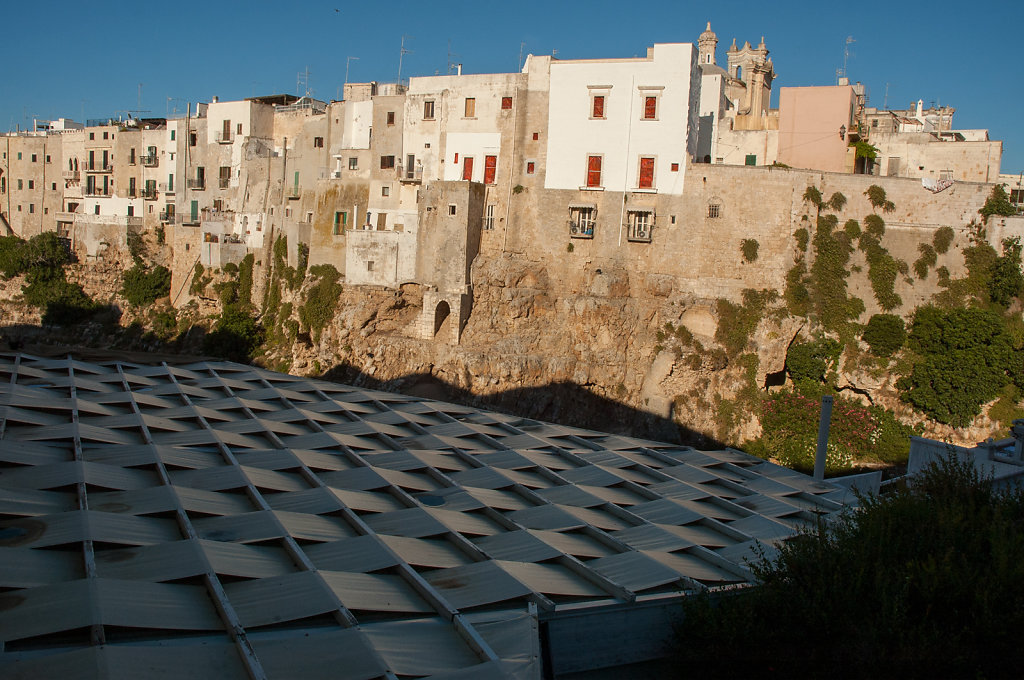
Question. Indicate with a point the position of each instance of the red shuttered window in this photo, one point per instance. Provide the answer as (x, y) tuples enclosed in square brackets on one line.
[(650, 108), (646, 173), (490, 167), (593, 171), (598, 108), (467, 168)]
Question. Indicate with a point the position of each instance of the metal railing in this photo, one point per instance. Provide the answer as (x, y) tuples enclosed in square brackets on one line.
[(224, 137), (72, 175), (150, 161), (198, 183), (148, 193), (224, 182)]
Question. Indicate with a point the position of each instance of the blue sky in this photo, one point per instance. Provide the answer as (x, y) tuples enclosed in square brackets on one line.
[(86, 60)]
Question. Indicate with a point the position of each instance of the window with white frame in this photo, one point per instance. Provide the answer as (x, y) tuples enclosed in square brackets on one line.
[(640, 223), (582, 220), (489, 216)]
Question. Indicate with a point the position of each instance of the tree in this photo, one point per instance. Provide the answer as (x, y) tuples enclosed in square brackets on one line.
[(966, 355), (923, 582), (885, 334), (144, 287), (1005, 278)]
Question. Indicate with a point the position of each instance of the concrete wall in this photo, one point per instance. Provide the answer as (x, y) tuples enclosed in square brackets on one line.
[(380, 258), (921, 155), (809, 122)]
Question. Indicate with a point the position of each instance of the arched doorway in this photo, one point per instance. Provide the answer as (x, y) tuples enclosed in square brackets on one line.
[(441, 314)]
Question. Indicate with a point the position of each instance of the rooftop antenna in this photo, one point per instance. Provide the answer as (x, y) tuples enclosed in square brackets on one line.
[(885, 101), (451, 64), (401, 53), (348, 60), (521, 46), (846, 52), (302, 83)]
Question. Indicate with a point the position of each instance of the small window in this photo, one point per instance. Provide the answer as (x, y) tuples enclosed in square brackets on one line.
[(239, 128), (131, 211), (582, 220), (20, 185), (489, 216), (428, 110), (714, 210), (353, 163), (640, 224), (369, 265), (53, 186), (531, 167), (31, 207), (340, 222), (19, 155), (34, 158), (47, 159), (92, 136), (451, 208), (318, 142), (536, 136), (391, 117), (506, 103), (287, 212), (192, 139), (594, 171), (650, 107), (675, 167), (470, 111), (597, 106), (31, 184), (385, 191), (387, 162), (646, 178), (172, 135), (309, 218)]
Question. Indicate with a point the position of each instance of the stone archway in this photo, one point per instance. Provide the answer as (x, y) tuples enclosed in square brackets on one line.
[(441, 314)]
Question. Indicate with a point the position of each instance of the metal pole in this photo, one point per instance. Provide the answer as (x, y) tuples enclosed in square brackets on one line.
[(823, 426)]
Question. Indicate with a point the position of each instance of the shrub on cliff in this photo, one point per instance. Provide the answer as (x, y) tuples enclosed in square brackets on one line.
[(143, 286), (923, 582), (997, 203), (885, 334), (235, 336)]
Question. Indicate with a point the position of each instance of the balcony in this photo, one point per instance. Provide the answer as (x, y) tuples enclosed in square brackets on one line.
[(66, 217), (225, 137), (148, 193), (199, 183), (224, 182), (98, 191), (71, 175), (413, 175), (169, 218), (293, 194), (166, 187), (99, 168), (150, 161)]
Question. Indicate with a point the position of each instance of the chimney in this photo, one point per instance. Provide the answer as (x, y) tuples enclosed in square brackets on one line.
[(216, 99), (920, 109), (459, 71)]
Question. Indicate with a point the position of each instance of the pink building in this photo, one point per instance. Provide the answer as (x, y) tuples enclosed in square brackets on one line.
[(814, 127)]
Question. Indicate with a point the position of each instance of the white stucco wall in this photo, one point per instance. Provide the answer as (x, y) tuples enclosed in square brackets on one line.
[(475, 145), (392, 253), (622, 137), (358, 120)]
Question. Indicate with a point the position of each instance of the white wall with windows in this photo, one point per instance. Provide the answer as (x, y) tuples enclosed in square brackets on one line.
[(358, 121), (649, 109), (473, 148)]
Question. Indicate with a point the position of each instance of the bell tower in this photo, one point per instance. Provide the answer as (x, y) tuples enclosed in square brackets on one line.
[(707, 43)]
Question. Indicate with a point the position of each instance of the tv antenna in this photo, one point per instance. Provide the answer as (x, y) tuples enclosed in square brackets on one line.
[(846, 53), (522, 45), (451, 64), (302, 83), (401, 54)]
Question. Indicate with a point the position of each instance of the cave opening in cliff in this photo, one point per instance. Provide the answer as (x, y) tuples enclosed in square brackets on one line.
[(441, 314)]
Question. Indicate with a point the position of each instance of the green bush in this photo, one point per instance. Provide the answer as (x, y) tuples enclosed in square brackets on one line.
[(321, 301), (943, 239), (1005, 279), (966, 357), (923, 582), (813, 196), (749, 248), (826, 284), (737, 322), (997, 203), (852, 229), (874, 225), (883, 270), (245, 280), (236, 335), (926, 261), (812, 361), (885, 334), (143, 287), (876, 196), (802, 237), (836, 201), (797, 296)]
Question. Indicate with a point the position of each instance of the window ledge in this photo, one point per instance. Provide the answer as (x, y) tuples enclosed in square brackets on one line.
[(591, 188), (645, 190)]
